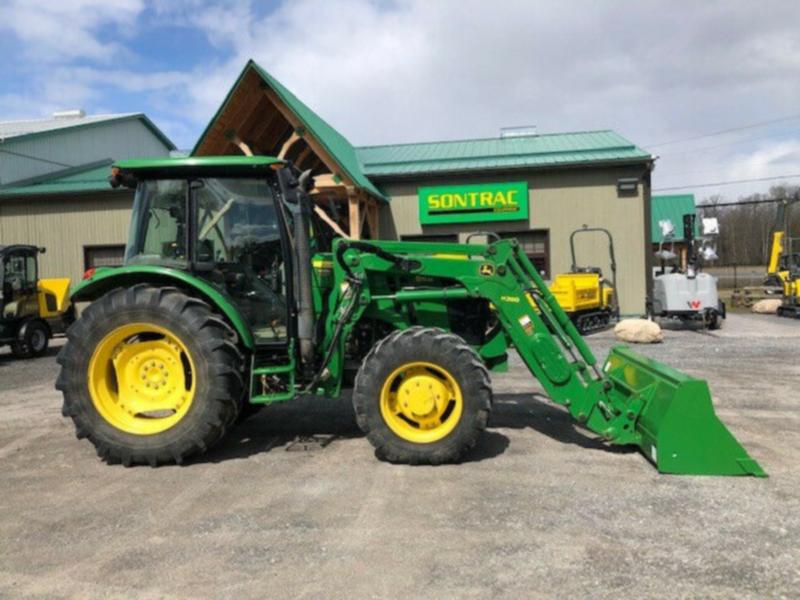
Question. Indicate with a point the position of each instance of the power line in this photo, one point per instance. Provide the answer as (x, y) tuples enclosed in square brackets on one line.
[(719, 183), (724, 131), (742, 202), (725, 145)]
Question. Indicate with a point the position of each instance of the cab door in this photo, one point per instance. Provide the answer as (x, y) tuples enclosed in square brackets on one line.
[(20, 278), (237, 243)]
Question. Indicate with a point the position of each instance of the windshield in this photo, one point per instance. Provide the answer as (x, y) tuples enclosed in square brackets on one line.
[(158, 224)]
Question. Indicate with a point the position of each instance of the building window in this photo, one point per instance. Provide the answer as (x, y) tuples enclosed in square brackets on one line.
[(109, 255), (440, 238), (536, 246)]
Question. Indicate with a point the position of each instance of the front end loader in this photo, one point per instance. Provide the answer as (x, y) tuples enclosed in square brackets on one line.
[(234, 295)]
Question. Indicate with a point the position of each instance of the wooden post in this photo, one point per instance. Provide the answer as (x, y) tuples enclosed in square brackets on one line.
[(355, 216), (373, 219)]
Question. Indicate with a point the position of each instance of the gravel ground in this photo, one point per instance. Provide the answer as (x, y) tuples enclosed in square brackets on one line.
[(539, 509)]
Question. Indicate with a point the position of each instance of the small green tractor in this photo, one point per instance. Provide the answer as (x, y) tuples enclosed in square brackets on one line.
[(234, 294)]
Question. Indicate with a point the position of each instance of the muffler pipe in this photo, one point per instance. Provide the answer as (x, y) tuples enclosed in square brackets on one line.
[(298, 202)]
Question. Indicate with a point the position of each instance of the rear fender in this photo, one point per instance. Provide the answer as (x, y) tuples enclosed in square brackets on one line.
[(105, 280)]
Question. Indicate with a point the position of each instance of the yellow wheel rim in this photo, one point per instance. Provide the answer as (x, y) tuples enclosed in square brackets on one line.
[(421, 402), (141, 379)]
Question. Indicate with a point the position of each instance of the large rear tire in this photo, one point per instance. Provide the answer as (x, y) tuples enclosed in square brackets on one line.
[(150, 376), (422, 396)]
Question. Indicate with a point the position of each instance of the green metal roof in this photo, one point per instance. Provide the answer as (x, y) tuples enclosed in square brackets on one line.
[(90, 177), (671, 207), (335, 143), (376, 162), (530, 151)]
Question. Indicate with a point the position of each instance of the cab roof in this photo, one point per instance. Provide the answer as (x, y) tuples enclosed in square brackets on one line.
[(216, 165)]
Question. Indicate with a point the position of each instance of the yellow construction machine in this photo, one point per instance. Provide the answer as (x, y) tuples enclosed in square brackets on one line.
[(784, 262), (32, 310), (584, 294)]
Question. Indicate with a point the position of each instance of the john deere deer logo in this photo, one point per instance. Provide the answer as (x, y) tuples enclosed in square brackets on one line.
[(487, 269)]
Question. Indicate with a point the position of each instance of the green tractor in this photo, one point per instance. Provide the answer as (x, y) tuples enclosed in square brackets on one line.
[(235, 295)]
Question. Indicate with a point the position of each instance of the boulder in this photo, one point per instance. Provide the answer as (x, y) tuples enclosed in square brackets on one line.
[(638, 331), (767, 306)]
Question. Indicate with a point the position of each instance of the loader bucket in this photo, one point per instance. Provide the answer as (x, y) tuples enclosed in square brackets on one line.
[(677, 427)]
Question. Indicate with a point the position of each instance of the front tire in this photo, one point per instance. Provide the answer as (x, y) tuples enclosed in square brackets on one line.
[(150, 376), (32, 340), (422, 396)]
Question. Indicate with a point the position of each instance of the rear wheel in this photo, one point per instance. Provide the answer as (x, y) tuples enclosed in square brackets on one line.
[(150, 376), (422, 396)]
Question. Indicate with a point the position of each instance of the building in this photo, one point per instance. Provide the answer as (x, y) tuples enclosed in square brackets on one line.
[(54, 189), (672, 208), (538, 188)]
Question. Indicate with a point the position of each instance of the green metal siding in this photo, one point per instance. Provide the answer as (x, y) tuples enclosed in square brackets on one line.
[(673, 208), (535, 151)]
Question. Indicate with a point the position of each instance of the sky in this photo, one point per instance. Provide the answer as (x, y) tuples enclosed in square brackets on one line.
[(663, 74)]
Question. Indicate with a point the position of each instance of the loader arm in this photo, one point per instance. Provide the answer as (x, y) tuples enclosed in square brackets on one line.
[(631, 400)]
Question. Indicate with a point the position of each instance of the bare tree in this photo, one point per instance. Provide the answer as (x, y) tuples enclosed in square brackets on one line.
[(746, 230)]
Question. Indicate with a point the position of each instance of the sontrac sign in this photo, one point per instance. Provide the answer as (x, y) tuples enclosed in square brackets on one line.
[(473, 203)]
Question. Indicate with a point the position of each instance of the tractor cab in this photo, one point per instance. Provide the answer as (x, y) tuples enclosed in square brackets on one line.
[(220, 221), (18, 277)]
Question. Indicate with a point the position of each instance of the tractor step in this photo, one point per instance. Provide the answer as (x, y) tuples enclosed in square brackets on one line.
[(273, 383)]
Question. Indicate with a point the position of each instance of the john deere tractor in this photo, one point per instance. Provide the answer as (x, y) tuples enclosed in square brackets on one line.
[(234, 294)]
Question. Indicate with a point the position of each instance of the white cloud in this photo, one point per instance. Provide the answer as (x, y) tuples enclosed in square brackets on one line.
[(411, 70), (61, 31)]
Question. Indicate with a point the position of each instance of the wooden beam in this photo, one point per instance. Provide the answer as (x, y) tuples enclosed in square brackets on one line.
[(302, 156), (373, 218), (326, 180), (354, 211), (364, 210), (242, 102), (287, 145), (241, 145), (331, 223), (316, 147)]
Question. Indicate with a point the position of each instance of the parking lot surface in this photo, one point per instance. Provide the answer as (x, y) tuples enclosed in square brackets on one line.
[(539, 509)]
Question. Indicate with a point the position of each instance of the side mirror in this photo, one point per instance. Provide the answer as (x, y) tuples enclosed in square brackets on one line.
[(305, 181)]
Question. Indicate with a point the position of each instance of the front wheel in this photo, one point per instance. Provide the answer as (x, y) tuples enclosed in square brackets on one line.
[(150, 376), (422, 396), (32, 340)]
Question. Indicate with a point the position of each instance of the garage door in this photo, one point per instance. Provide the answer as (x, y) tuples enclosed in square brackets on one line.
[(103, 256), (536, 245)]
